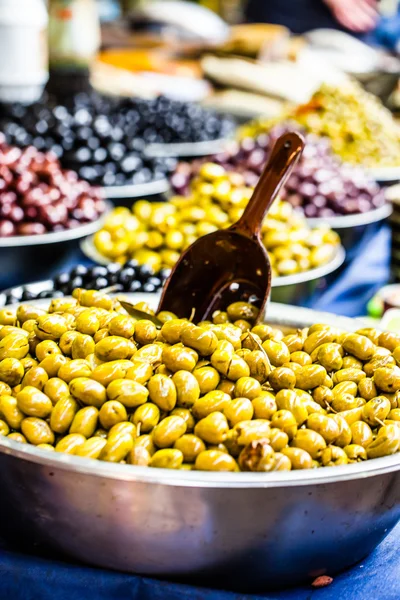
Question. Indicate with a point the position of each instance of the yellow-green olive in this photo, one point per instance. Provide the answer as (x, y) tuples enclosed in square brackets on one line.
[(299, 458), (34, 403), (285, 420), (117, 447), (387, 379), (162, 392), (10, 411), (74, 369), (147, 416), (361, 434), (351, 374), (63, 415), (14, 346), (237, 410), (91, 448), (344, 438), (325, 426), (56, 389), (264, 405), (11, 371), (387, 442), (213, 428), (167, 458), (168, 431), (111, 413), (376, 410), (139, 372), (37, 431), (139, 456), (46, 348), (85, 421), (187, 388), (355, 453), (186, 415), (333, 456), (114, 347), (190, 445), (310, 376), (35, 377), (145, 332), (257, 456), (130, 393), (278, 439), (211, 402), (215, 460), (309, 440), (88, 391), (122, 326)]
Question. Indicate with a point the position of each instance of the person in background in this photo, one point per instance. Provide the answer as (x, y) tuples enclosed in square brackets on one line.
[(361, 18)]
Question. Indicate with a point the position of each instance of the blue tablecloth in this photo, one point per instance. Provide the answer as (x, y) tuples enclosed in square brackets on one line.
[(25, 577)]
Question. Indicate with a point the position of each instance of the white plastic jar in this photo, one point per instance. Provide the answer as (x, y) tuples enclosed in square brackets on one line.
[(23, 50)]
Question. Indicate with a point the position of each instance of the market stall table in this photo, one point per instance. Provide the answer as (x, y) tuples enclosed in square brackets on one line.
[(30, 576)]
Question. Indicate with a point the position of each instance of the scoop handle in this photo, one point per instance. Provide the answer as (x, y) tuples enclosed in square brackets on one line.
[(284, 155)]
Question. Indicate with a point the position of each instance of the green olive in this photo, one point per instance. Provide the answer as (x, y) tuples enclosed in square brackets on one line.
[(213, 428), (277, 352), (50, 327), (24, 313), (88, 391), (214, 460), (289, 400), (168, 431), (139, 456), (147, 416), (330, 356), (285, 420), (350, 362), (171, 330), (318, 338), (53, 363), (259, 365), (34, 403), (359, 346), (145, 441), (63, 415), (278, 439), (8, 316), (387, 379), (250, 431), (207, 378), (117, 447), (325, 426), (114, 347), (151, 353), (122, 326), (85, 421), (211, 402), (4, 428), (387, 442), (139, 372), (56, 389), (162, 392), (242, 310), (282, 378), (130, 393), (309, 440), (257, 456), (178, 358), (333, 456), (167, 458), (145, 332), (74, 369), (92, 448), (46, 348), (17, 437), (203, 341), (226, 386), (264, 405), (5, 389), (388, 339), (190, 445), (65, 342), (299, 458), (376, 410), (361, 434), (301, 358), (121, 428), (111, 413), (35, 377), (11, 371), (37, 431), (354, 375), (14, 346), (237, 410), (355, 453), (311, 376), (10, 411), (344, 438)]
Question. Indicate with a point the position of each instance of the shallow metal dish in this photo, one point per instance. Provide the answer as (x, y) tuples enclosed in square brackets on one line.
[(29, 257), (354, 229), (139, 190), (291, 289), (186, 149), (242, 531)]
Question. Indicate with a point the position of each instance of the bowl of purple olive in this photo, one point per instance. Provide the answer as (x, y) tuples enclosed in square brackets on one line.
[(44, 212)]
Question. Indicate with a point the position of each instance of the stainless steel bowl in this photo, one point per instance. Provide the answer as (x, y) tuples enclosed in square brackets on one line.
[(242, 531), (291, 289), (354, 229), (30, 257)]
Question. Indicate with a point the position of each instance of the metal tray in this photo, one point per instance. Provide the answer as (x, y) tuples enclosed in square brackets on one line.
[(139, 190), (243, 531), (29, 257), (186, 149)]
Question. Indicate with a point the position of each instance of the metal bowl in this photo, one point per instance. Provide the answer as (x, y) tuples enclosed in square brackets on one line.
[(29, 257), (243, 531), (291, 289), (186, 149), (354, 229), (124, 194)]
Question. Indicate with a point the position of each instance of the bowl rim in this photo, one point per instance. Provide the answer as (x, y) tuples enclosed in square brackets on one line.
[(151, 188), (336, 261), (349, 221), (187, 149), (203, 479), (56, 237), (131, 473)]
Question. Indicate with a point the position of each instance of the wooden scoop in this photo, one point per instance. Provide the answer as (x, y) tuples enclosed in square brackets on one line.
[(232, 264)]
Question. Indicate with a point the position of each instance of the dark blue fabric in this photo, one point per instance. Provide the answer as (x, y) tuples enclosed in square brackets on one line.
[(25, 577)]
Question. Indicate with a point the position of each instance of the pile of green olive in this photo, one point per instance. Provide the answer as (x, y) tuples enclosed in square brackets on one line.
[(230, 394), (155, 233)]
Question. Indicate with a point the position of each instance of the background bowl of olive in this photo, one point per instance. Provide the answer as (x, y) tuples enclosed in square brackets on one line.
[(237, 454)]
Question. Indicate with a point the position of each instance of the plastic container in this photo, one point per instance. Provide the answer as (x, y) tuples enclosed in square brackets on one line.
[(23, 50)]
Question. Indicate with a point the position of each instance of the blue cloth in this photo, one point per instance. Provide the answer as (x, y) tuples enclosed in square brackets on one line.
[(26, 577)]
